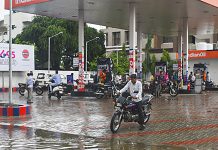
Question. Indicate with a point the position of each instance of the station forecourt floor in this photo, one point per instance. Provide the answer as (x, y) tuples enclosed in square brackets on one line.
[(188, 120)]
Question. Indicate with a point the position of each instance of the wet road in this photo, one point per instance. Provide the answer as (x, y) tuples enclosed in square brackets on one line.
[(184, 122)]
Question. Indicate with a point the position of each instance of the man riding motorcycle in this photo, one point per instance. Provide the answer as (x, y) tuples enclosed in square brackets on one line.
[(134, 88), (56, 80)]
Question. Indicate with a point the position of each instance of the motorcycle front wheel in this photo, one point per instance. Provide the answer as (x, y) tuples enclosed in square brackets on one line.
[(39, 91), (115, 122), (147, 117)]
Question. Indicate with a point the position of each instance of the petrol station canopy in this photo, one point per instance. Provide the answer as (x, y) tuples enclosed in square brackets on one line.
[(162, 17)]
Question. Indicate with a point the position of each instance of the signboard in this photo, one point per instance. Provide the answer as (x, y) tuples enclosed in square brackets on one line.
[(131, 61), (211, 2), (22, 57), (76, 62), (202, 54), (20, 3)]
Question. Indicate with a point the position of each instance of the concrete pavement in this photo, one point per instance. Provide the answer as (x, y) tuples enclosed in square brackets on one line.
[(187, 121)]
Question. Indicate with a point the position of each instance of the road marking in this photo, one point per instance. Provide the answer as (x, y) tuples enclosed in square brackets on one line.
[(168, 131), (193, 142)]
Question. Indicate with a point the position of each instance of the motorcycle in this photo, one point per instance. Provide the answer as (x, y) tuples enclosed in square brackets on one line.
[(108, 89), (56, 91), (22, 87), (209, 84), (126, 110), (170, 87)]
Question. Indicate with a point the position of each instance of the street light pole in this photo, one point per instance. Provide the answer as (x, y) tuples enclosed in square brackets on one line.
[(87, 48), (10, 52), (49, 49)]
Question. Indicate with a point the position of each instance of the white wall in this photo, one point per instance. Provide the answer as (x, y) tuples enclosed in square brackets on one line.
[(159, 55), (20, 77)]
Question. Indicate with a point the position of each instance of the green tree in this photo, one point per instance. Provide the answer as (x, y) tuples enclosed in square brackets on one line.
[(65, 44), (166, 58), (153, 61), (93, 63), (123, 61), (146, 63)]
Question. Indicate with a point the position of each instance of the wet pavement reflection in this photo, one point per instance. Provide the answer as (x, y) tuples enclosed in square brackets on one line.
[(30, 138), (185, 122)]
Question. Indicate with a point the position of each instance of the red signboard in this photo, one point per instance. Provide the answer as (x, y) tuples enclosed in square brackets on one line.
[(20, 3), (202, 54), (211, 2)]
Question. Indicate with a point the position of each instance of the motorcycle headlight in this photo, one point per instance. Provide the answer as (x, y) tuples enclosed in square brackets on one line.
[(119, 104)]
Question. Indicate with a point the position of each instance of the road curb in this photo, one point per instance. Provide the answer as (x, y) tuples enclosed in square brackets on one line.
[(10, 110), (14, 89)]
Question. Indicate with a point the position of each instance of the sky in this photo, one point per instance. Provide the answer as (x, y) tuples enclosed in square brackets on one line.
[(98, 27), (2, 10)]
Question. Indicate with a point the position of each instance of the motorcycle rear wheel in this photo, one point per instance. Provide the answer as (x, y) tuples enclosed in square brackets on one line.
[(58, 95), (21, 91), (39, 91), (99, 96), (173, 92), (115, 122)]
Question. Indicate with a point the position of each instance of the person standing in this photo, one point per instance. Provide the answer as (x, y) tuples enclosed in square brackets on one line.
[(102, 77), (208, 77), (29, 84)]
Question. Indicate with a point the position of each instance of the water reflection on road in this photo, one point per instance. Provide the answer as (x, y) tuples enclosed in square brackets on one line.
[(20, 137), (80, 123)]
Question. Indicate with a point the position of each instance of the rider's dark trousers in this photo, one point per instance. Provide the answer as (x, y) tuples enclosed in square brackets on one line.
[(140, 112)]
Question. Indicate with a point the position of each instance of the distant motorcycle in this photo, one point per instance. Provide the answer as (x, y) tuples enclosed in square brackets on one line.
[(126, 110), (210, 84), (170, 87), (22, 87), (108, 89)]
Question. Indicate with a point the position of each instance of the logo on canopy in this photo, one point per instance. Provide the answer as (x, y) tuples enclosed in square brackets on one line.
[(20, 3)]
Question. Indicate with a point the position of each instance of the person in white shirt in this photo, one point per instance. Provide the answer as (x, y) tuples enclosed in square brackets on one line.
[(134, 88), (193, 78), (56, 78), (29, 83)]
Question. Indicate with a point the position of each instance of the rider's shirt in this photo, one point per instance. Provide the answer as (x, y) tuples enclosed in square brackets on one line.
[(57, 79), (135, 90)]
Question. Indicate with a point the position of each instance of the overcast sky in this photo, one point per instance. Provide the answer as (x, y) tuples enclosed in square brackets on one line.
[(2, 11), (96, 26)]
